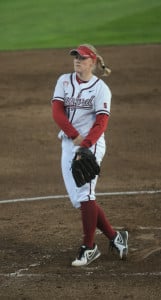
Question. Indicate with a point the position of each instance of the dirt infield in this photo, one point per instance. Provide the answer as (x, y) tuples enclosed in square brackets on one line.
[(39, 239)]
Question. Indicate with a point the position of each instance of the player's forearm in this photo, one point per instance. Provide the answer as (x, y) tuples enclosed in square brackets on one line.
[(61, 119), (96, 131)]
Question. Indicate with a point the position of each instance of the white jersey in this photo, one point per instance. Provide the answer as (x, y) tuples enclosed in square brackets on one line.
[(83, 101)]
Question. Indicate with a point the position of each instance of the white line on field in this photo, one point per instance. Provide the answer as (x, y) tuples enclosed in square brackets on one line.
[(137, 228), (125, 193), (40, 275)]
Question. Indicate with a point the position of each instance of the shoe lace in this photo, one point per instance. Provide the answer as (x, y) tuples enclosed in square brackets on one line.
[(81, 251)]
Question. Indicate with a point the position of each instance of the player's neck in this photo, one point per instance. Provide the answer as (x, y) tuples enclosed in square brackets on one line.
[(81, 78)]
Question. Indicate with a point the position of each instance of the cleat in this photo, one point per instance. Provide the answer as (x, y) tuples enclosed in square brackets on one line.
[(86, 256), (120, 243)]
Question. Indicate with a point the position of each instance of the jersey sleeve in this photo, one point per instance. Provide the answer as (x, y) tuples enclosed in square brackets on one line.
[(61, 119), (103, 99), (59, 89), (96, 131)]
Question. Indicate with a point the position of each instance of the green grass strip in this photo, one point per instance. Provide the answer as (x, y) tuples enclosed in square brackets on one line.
[(35, 24)]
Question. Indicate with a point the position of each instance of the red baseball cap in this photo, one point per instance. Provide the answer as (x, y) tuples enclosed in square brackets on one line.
[(84, 52)]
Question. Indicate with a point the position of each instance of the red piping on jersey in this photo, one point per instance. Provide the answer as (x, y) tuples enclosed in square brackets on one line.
[(95, 149), (102, 111), (87, 88), (80, 80), (90, 184), (71, 79)]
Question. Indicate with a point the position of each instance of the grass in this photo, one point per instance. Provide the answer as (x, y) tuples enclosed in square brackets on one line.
[(35, 24)]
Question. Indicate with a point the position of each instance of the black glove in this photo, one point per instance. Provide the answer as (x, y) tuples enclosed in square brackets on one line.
[(84, 166)]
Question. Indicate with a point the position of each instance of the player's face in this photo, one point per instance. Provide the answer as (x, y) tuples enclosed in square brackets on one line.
[(83, 65)]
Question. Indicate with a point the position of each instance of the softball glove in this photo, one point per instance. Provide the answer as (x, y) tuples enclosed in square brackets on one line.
[(84, 166)]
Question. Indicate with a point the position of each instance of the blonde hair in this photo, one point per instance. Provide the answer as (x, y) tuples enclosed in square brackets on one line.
[(100, 61)]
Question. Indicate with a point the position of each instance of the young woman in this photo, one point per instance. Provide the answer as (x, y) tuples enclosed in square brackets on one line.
[(81, 107)]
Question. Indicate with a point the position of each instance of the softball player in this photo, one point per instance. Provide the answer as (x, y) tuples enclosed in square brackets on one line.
[(81, 107)]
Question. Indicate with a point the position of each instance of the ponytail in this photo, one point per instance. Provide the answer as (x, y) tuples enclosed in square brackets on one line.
[(99, 61), (101, 64)]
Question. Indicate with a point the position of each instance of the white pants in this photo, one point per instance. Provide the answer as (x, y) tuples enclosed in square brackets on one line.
[(87, 191)]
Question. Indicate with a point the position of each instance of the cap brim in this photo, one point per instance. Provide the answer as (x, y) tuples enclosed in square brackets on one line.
[(75, 52)]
